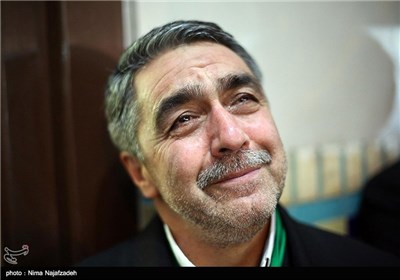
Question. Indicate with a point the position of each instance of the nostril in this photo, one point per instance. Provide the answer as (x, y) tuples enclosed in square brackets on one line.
[(223, 150)]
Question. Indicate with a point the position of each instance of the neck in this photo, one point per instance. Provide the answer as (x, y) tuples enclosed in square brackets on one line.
[(201, 253)]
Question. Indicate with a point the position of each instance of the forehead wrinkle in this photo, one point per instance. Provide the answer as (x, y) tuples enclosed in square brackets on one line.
[(159, 84)]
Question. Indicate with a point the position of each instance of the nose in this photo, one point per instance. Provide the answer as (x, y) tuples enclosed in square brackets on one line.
[(227, 134)]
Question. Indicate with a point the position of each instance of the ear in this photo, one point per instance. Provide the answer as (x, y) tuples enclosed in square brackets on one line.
[(139, 175)]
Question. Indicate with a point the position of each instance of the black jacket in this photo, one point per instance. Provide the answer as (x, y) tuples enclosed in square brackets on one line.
[(306, 246)]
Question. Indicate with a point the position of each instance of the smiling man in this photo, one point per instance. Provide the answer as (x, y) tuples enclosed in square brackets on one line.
[(188, 112)]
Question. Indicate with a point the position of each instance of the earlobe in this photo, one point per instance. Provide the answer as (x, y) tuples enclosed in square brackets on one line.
[(139, 175)]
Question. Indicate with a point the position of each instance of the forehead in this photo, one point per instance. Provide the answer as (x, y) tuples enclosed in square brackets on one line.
[(198, 63)]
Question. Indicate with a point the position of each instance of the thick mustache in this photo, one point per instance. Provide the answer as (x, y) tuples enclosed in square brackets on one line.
[(230, 163)]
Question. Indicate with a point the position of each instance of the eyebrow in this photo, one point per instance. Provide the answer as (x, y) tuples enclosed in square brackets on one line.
[(195, 92), (233, 81), (179, 97)]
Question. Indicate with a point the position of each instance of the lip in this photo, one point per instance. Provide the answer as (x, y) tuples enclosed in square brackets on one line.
[(242, 175)]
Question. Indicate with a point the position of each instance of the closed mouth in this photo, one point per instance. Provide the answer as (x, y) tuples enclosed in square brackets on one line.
[(235, 168), (234, 175)]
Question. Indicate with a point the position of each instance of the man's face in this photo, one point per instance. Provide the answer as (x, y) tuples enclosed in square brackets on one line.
[(210, 144)]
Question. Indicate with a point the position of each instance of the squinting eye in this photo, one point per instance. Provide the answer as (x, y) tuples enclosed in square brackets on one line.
[(244, 98), (182, 120), (244, 103)]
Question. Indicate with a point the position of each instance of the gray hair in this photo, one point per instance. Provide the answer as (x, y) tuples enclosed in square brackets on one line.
[(122, 111)]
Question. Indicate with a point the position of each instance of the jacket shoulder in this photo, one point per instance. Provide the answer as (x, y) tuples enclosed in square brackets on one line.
[(310, 246), (147, 248)]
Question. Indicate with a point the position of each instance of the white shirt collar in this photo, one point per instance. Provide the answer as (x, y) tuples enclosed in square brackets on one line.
[(184, 261)]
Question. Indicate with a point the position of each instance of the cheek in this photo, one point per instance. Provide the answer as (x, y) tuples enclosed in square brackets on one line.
[(185, 161), (263, 132)]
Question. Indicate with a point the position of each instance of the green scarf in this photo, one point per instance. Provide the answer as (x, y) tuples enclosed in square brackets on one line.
[(280, 242)]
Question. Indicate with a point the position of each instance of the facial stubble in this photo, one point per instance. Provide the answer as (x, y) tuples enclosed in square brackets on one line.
[(225, 220)]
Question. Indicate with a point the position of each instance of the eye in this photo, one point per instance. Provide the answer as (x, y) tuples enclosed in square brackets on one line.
[(244, 103), (242, 99), (182, 121)]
